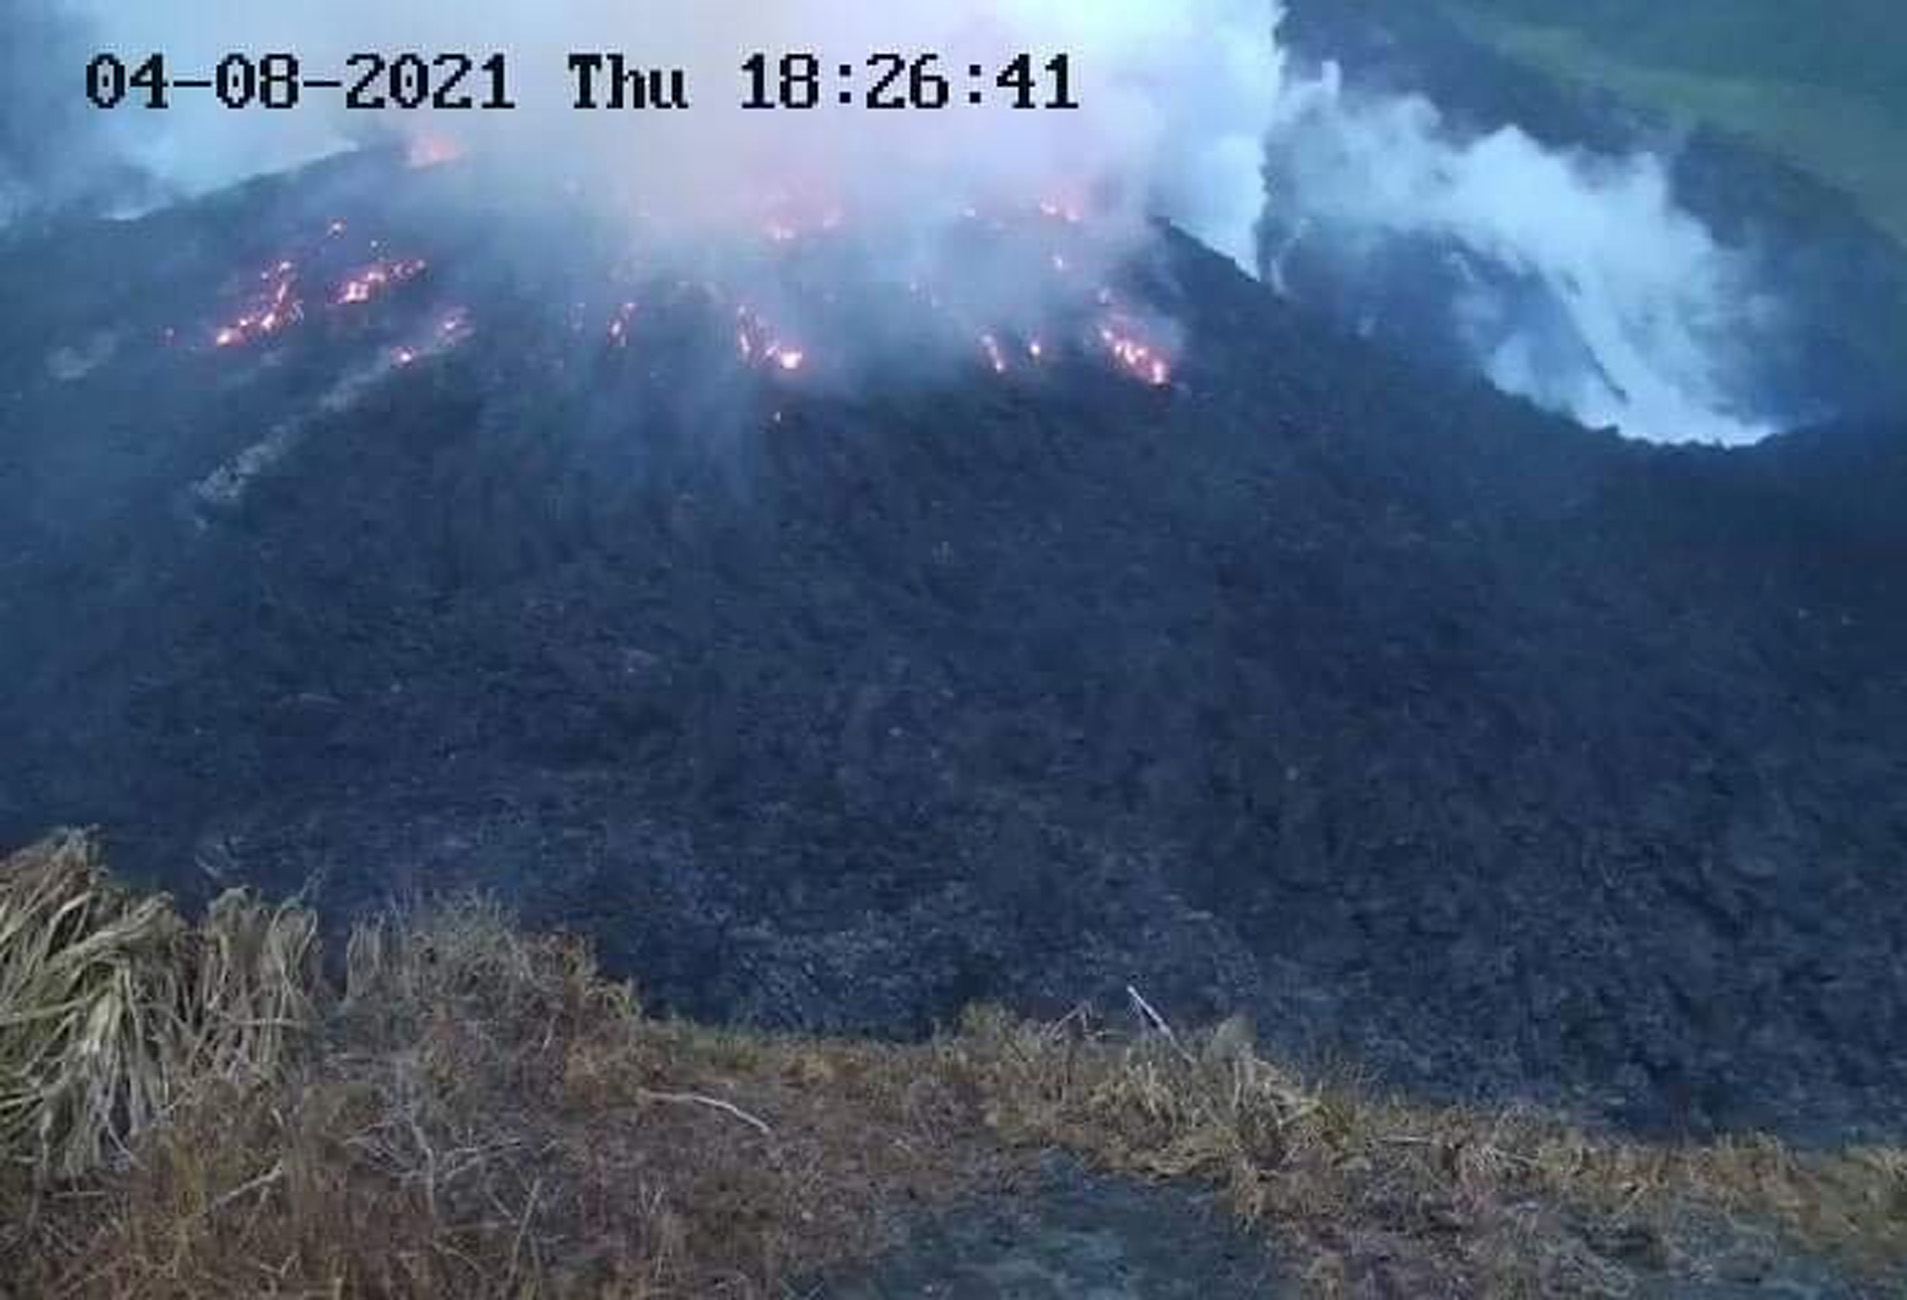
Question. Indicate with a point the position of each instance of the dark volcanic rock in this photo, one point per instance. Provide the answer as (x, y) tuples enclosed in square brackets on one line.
[(1504, 756)]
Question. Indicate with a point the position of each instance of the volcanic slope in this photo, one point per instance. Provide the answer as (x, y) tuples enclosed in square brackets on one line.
[(1487, 753)]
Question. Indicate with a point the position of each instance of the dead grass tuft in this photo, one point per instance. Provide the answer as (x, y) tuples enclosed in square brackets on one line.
[(1435, 1200), (113, 1010), (479, 1113)]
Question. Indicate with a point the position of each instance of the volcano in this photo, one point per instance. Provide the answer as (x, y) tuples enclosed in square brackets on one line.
[(1175, 640)]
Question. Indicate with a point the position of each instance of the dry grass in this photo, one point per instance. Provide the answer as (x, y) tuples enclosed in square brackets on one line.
[(476, 1113), (1383, 1197), (479, 1113), (112, 1010)]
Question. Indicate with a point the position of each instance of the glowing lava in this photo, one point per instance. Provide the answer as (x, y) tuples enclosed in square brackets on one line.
[(272, 309), (369, 282), (1142, 360), (1069, 315)]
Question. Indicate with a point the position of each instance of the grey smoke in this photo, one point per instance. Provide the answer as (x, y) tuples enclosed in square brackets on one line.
[(53, 150), (1581, 282)]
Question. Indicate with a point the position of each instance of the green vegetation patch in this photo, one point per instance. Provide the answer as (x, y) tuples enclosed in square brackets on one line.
[(1824, 86)]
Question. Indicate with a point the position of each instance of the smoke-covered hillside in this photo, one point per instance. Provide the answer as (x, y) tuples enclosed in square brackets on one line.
[(1500, 755), (1383, 522)]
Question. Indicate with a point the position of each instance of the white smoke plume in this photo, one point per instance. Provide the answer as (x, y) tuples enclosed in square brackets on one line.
[(1578, 280), (1636, 303)]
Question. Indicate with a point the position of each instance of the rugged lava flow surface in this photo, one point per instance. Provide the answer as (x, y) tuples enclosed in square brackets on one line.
[(1166, 639)]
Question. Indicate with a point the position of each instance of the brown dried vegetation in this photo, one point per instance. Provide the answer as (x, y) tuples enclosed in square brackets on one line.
[(187, 1110)]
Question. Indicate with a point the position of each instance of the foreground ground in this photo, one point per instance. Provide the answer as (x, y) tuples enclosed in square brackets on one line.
[(466, 1110)]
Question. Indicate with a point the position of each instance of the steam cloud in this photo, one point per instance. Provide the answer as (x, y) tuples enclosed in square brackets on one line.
[(1583, 285), (1572, 279)]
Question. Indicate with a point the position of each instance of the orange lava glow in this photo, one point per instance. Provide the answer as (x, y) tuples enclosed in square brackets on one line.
[(274, 307), (1140, 359), (368, 283)]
